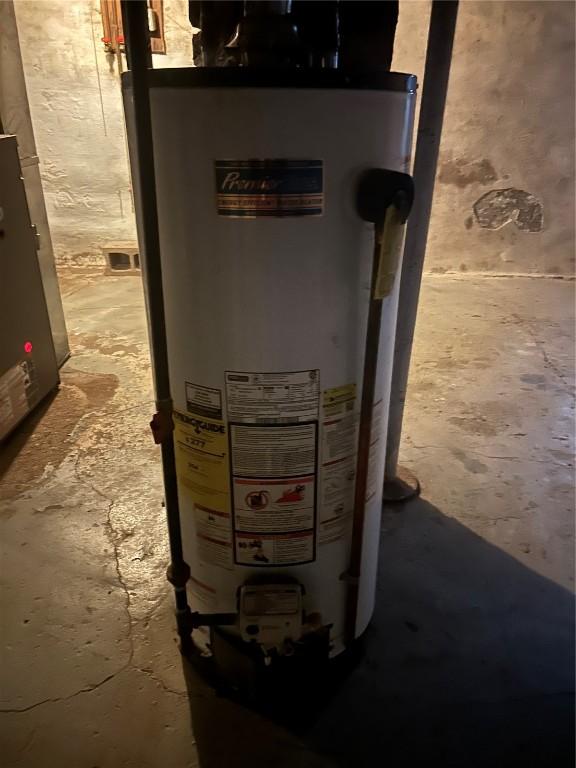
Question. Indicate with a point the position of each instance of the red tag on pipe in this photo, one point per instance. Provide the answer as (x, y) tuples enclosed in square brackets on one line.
[(162, 426)]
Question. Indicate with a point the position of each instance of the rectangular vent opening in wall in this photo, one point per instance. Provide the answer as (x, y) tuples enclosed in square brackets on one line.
[(121, 258)]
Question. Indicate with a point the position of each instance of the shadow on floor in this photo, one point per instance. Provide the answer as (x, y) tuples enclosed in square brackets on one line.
[(468, 662), (14, 443)]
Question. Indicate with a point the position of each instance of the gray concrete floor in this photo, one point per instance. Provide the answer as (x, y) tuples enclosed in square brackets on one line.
[(468, 661)]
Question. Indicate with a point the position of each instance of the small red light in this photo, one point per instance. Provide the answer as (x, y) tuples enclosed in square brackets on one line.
[(28, 347)]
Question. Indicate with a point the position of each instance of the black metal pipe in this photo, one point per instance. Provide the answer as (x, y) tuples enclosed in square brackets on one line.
[(380, 194), (213, 619), (363, 456), (135, 23), (436, 75)]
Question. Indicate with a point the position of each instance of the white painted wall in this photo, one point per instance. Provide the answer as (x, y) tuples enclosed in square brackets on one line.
[(75, 98), (16, 119), (509, 123)]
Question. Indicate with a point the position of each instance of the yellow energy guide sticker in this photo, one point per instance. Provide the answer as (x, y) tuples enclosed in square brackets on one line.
[(201, 446), (339, 400)]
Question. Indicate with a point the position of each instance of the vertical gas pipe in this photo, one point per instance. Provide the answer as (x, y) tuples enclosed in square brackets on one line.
[(135, 23), (384, 198), (436, 75)]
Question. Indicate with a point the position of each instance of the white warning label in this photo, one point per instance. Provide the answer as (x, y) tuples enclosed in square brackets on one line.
[(275, 549), (337, 499), (268, 451), (214, 536), (274, 505), (204, 401), (274, 493), (339, 446), (376, 455), (268, 398)]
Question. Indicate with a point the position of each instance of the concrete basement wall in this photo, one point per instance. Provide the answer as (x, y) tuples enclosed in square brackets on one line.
[(509, 126), (76, 104)]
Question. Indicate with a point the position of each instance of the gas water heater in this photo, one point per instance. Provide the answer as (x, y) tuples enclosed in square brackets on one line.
[(281, 198)]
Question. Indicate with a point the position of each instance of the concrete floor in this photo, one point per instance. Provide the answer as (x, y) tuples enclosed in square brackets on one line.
[(468, 661)]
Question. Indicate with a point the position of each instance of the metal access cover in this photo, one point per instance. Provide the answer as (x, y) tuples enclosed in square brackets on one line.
[(270, 614)]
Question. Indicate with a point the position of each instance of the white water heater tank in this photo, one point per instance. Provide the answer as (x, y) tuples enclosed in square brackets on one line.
[(266, 275)]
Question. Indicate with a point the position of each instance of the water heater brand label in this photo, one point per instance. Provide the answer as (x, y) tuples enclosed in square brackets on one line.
[(276, 188)]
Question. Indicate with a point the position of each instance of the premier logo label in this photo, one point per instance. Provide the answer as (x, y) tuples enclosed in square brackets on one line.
[(274, 188), (233, 182)]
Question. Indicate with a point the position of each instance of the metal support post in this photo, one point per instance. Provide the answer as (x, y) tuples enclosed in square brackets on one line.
[(399, 484)]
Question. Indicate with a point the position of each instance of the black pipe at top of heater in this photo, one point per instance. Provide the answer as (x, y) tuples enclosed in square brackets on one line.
[(217, 22), (257, 34), (367, 31), (317, 22), (353, 35), (267, 37)]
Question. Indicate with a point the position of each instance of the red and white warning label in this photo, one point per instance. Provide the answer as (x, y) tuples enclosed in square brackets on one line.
[(274, 505), (275, 549), (274, 492)]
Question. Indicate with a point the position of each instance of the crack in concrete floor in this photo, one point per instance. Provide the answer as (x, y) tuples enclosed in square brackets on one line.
[(526, 323), (113, 535), (474, 452), (99, 478), (95, 687)]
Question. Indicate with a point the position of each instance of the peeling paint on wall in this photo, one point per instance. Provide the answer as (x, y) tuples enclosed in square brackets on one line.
[(462, 173), (509, 206), (507, 122), (508, 131)]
